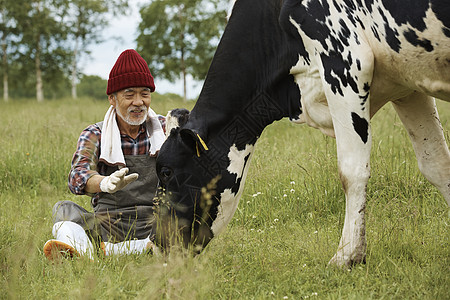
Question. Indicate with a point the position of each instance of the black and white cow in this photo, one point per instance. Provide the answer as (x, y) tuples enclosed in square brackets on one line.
[(330, 64)]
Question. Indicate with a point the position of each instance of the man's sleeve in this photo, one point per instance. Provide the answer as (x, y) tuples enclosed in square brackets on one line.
[(85, 160)]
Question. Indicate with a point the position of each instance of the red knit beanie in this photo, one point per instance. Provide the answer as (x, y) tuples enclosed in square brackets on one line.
[(130, 70)]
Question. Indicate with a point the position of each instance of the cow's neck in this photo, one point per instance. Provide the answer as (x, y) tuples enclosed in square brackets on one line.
[(255, 87), (240, 99)]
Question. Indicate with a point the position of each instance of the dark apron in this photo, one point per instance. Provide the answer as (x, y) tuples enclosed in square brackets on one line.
[(128, 213), (124, 215)]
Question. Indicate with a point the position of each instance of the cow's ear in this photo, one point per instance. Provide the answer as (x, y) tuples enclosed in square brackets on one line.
[(193, 140)]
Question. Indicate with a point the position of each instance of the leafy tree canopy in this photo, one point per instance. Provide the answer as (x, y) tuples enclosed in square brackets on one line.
[(179, 37)]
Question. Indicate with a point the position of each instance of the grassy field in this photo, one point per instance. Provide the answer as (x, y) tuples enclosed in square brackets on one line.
[(278, 244)]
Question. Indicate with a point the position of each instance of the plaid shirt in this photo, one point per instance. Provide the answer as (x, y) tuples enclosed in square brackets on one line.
[(85, 161)]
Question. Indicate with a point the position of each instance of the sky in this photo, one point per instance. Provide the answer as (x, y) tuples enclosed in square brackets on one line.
[(121, 35)]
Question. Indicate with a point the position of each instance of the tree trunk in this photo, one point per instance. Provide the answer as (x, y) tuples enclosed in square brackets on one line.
[(181, 18), (5, 70), (74, 70), (183, 71), (37, 61)]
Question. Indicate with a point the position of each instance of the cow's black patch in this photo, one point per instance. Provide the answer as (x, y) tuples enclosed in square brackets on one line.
[(361, 127), (446, 31), (335, 65), (356, 38), (361, 23), (412, 37), (350, 5), (375, 33), (330, 79), (369, 4), (364, 98), (411, 12), (391, 34), (350, 9), (442, 10), (319, 10), (366, 87), (312, 19), (344, 33), (337, 6)]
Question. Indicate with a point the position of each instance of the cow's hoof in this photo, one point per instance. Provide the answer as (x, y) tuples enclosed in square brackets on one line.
[(347, 261)]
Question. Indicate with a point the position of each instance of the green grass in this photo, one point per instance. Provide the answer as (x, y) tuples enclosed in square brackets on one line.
[(279, 242)]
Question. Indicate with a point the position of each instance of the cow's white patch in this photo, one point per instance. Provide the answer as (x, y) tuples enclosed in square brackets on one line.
[(226, 209), (237, 160), (171, 123), (229, 200), (315, 111)]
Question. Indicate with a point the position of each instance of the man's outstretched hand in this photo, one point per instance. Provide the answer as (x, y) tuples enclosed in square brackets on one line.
[(117, 181)]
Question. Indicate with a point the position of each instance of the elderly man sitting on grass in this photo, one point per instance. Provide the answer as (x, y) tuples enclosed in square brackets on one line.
[(115, 164)]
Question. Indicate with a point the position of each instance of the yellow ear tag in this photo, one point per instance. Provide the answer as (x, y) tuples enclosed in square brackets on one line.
[(202, 142), (198, 151)]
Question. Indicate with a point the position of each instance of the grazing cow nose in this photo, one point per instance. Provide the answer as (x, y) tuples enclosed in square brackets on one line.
[(165, 173)]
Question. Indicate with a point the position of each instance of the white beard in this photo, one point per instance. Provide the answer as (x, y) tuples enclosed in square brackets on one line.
[(128, 118)]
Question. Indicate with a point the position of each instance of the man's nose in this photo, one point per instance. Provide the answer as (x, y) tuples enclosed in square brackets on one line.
[(138, 100)]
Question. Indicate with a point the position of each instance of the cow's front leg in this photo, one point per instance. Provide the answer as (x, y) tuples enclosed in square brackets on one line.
[(349, 108), (354, 172)]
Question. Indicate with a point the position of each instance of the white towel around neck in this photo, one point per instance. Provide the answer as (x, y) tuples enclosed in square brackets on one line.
[(111, 145)]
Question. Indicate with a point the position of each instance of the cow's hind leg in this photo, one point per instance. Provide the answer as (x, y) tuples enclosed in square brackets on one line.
[(420, 118)]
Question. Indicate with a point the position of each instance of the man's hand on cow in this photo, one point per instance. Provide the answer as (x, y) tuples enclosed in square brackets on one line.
[(117, 181)]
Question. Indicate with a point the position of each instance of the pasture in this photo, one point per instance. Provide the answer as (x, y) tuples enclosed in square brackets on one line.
[(285, 230)]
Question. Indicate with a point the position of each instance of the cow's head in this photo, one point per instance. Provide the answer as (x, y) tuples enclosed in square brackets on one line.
[(203, 163), (184, 201)]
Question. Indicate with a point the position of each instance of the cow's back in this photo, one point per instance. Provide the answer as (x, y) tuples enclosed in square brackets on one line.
[(410, 41)]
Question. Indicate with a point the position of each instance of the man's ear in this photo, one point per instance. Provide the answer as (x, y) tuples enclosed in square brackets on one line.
[(112, 100), (193, 141)]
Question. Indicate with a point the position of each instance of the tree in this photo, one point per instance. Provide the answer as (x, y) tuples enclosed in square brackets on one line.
[(8, 14), (86, 18), (43, 33), (178, 37)]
